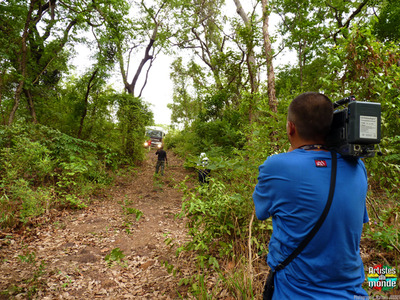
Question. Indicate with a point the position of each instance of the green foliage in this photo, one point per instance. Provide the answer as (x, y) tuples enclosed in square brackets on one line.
[(184, 107), (218, 137), (42, 168), (385, 170), (181, 142), (383, 227), (82, 106), (198, 287), (387, 26), (133, 116), (385, 236), (7, 212), (216, 219), (131, 210), (219, 212), (27, 158), (37, 41), (28, 258), (73, 201), (115, 256), (219, 133)]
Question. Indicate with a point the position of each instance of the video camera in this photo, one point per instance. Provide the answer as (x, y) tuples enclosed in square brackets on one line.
[(355, 129)]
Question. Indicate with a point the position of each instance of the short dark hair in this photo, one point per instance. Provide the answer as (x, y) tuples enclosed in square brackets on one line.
[(312, 115)]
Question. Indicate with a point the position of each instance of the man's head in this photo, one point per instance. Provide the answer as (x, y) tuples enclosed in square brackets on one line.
[(310, 115)]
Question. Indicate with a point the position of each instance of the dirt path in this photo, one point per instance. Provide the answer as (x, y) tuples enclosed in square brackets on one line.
[(66, 258)]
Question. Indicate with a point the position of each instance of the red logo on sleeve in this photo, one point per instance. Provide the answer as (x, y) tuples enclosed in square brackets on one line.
[(320, 163)]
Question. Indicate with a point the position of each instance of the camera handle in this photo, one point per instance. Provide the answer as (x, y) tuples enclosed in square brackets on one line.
[(343, 101), (380, 151)]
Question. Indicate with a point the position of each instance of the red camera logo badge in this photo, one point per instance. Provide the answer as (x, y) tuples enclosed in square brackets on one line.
[(320, 163)]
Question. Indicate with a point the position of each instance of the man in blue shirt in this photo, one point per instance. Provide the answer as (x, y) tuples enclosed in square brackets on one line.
[(293, 188)]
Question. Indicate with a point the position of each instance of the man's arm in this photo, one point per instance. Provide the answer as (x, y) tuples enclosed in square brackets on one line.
[(261, 203), (267, 185), (261, 197)]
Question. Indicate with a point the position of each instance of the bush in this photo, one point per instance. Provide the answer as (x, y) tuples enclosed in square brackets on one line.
[(43, 168), (181, 141)]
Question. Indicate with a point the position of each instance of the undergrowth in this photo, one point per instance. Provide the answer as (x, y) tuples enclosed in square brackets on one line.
[(42, 169)]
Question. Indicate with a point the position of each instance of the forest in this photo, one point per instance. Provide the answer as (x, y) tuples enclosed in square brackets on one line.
[(64, 134)]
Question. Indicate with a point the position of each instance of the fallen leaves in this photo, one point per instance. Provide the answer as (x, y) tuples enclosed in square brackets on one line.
[(73, 245)]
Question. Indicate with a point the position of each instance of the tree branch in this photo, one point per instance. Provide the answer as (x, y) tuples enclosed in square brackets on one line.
[(147, 74), (147, 56), (349, 19)]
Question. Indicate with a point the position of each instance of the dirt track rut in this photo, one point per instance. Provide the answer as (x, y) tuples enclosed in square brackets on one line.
[(65, 257)]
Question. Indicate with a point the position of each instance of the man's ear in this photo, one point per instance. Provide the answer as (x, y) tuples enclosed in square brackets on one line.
[(291, 128)]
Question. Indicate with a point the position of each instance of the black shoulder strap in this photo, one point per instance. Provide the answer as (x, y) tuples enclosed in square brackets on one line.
[(320, 221)]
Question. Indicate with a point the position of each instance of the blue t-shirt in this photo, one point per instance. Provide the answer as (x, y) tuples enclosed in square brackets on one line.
[(293, 188)]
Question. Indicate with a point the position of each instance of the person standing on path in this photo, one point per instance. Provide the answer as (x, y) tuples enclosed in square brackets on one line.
[(202, 168), (162, 159)]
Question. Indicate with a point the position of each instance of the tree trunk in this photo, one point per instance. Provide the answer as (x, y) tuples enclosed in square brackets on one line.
[(268, 53), (302, 60), (1, 96), (22, 63), (84, 113), (29, 99), (17, 97), (251, 61)]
